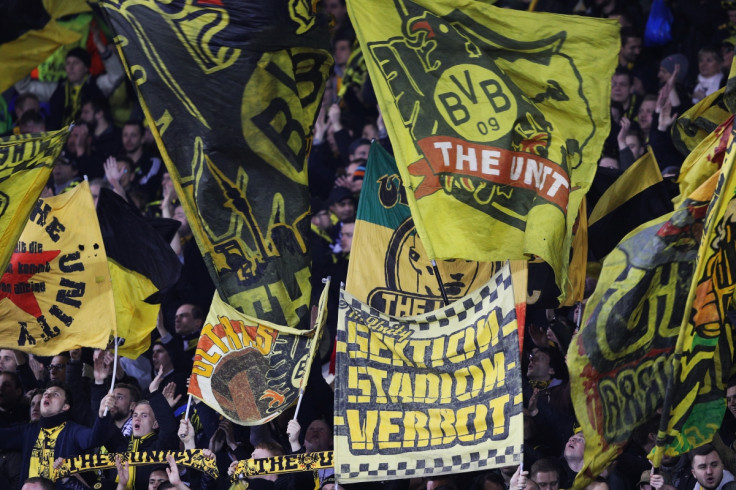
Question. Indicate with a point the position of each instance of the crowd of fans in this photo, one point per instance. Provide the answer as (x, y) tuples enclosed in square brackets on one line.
[(61, 405)]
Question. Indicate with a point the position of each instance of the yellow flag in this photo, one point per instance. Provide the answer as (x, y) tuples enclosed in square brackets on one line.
[(30, 43), (497, 118), (56, 292), (25, 166), (642, 174), (250, 370), (704, 161)]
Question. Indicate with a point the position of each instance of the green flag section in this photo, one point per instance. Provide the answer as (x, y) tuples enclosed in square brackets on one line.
[(497, 118), (31, 32), (432, 394), (704, 355), (620, 360), (249, 370), (55, 294), (389, 268), (141, 264), (230, 93), (26, 162)]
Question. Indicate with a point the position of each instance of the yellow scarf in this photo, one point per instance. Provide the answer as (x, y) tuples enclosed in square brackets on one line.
[(133, 445), (42, 454), (72, 101)]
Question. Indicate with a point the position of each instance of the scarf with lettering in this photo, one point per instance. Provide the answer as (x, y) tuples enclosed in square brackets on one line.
[(133, 445), (42, 454)]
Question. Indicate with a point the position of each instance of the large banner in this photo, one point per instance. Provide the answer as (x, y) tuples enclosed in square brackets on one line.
[(497, 117), (230, 91), (250, 370), (25, 167), (389, 268), (621, 359), (704, 355), (431, 394), (56, 294)]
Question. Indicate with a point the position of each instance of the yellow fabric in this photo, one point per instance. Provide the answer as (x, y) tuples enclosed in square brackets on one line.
[(390, 267), (496, 117), (642, 174), (427, 394), (705, 347), (21, 55), (241, 362), (42, 454), (26, 162), (704, 161), (135, 318), (133, 445), (56, 293), (579, 262), (619, 360), (698, 122)]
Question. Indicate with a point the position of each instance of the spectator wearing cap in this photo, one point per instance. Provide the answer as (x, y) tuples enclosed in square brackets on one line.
[(354, 175), (65, 97)]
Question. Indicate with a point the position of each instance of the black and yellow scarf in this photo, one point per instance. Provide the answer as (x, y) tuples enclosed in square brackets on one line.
[(42, 454), (72, 101), (133, 446)]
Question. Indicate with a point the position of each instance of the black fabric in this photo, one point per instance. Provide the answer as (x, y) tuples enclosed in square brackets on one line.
[(20, 16)]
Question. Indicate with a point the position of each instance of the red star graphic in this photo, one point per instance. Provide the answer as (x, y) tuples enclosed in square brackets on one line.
[(25, 301)]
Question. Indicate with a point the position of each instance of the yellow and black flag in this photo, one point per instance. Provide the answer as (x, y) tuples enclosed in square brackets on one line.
[(230, 90), (704, 354), (620, 360), (497, 118), (631, 199), (56, 294), (389, 268), (26, 162), (141, 265), (31, 32)]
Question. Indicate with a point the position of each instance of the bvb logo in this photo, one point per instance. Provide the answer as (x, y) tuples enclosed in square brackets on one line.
[(474, 101)]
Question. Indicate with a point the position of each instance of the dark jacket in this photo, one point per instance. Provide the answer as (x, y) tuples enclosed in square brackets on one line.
[(73, 440)]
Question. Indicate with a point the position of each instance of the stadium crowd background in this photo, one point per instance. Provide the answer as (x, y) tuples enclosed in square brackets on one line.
[(113, 148)]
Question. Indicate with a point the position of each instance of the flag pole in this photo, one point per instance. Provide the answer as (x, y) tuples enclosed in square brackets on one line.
[(298, 403), (189, 404), (114, 371), (439, 282)]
